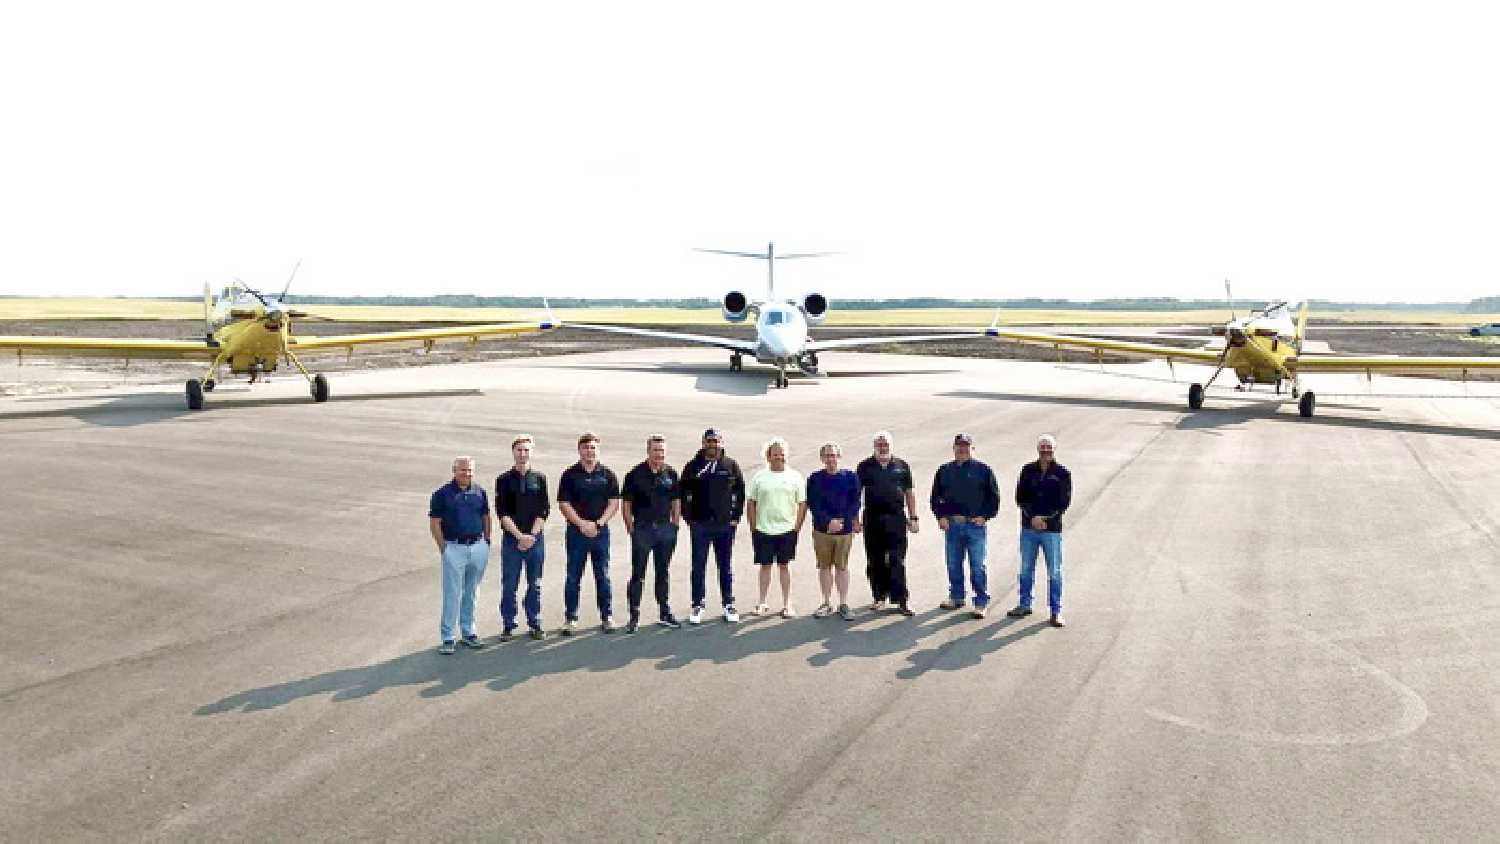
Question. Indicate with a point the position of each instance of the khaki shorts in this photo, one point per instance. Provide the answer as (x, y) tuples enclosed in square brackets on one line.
[(832, 549)]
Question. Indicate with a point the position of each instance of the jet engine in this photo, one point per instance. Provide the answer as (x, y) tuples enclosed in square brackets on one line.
[(815, 306), (736, 307)]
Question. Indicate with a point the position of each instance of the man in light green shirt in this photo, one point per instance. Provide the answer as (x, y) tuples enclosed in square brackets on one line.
[(776, 502)]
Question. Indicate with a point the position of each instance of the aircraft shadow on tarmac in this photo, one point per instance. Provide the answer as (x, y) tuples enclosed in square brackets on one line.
[(505, 666), (718, 379), (144, 408), (1243, 409)]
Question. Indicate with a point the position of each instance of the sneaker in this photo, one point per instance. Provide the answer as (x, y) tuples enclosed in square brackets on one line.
[(570, 627), (981, 612), (845, 613), (905, 610), (472, 640), (730, 616), (951, 604), (878, 606), (607, 624), (507, 634), (823, 610), (1057, 621), (538, 634), (447, 648), (696, 616), (1019, 612), (634, 624), (669, 620)]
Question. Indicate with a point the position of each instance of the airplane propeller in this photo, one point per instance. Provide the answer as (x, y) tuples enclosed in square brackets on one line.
[(208, 306), (1229, 298), (282, 297)]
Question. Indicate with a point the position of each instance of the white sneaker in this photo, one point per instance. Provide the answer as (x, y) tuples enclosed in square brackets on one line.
[(730, 616), (696, 616)]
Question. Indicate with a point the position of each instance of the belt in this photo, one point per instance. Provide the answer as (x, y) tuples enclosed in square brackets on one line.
[(468, 540)]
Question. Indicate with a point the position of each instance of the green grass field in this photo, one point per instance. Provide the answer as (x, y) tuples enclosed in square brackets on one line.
[(147, 309)]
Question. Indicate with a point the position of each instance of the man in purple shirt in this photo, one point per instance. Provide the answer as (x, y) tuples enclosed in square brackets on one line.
[(833, 498)]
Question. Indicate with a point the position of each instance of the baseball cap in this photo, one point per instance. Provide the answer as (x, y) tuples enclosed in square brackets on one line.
[(712, 434), (963, 438)]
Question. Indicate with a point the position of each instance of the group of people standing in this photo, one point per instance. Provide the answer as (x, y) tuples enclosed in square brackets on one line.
[(875, 500)]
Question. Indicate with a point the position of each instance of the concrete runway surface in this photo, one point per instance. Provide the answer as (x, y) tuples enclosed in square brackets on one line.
[(222, 624)]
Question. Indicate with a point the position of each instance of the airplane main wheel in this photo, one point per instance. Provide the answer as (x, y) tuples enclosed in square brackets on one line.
[(208, 386), (736, 364), (1307, 404), (319, 388), (194, 394), (1195, 396)]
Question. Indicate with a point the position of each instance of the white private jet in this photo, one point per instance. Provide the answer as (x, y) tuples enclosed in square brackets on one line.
[(781, 325)]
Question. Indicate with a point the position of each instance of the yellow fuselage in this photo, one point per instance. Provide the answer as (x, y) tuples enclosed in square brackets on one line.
[(252, 345), (1259, 359)]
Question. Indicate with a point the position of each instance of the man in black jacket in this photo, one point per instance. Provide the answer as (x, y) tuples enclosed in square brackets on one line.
[(713, 500), (1043, 491), (965, 497)]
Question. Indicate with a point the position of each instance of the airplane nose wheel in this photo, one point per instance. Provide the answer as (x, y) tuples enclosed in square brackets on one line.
[(194, 394), (736, 363), (1195, 396), (319, 388)]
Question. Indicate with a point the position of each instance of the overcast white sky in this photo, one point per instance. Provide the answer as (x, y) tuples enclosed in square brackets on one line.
[(1083, 150)]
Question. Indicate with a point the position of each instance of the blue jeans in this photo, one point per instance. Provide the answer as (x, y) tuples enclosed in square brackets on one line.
[(463, 569), (1050, 544), (720, 537), (967, 538), (511, 558), (580, 550)]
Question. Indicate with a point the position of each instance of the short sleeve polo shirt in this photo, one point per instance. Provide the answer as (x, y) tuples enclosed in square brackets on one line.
[(462, 510)]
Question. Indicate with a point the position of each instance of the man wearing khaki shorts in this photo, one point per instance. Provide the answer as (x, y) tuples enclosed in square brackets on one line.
[(833, 498)]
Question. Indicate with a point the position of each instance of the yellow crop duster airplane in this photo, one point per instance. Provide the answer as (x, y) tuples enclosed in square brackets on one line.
[(1265, 347), (249, 333)]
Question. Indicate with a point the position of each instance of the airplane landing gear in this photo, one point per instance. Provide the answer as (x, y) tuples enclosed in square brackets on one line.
[(319, 388), (194, 394), (1195, 396), (736, 362), (208, 386), (781, 380), (1307, 404)]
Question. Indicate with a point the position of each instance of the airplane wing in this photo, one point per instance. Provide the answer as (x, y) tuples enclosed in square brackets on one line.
[(1117, 347), (1392, 364), (422, 336), (730, 343), (889, 340), (109, 347)]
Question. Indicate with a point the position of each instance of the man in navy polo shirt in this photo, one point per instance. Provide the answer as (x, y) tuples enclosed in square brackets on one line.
[(651, 503), (459, 518)]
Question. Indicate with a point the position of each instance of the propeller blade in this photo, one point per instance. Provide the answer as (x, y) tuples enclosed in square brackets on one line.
[(208, 308), (282, 297), (1301, 325), (1229, 297)]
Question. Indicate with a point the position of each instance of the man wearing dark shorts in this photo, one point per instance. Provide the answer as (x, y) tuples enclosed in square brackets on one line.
[(588, 494), (651, 502), (890, 513)]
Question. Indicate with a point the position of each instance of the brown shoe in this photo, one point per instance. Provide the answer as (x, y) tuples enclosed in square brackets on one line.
[(1057, 621)]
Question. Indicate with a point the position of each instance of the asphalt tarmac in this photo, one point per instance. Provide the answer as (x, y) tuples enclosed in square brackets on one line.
[(221, 624)]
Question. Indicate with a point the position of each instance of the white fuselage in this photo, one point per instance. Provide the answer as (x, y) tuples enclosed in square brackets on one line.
[(780, 334)]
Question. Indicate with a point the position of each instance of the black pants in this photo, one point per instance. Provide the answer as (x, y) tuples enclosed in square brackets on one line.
[(657, 539), (885, 553)]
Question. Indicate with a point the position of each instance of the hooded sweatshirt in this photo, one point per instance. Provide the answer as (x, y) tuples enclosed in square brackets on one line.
[(713, 491)]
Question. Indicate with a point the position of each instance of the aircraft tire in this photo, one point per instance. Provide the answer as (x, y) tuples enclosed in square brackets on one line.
[(1195, 396), (319, 388), (194, 394), (1307, 404)]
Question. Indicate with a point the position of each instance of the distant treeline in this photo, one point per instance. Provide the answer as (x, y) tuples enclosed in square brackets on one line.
[(1487, 304)]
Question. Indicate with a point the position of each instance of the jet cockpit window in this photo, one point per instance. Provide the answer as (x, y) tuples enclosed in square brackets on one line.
[(775, 317)]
